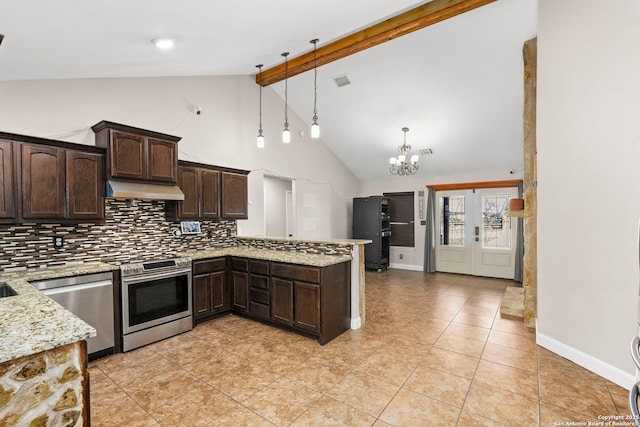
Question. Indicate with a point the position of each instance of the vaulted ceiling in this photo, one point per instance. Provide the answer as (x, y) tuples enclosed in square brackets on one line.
[(457, 84)]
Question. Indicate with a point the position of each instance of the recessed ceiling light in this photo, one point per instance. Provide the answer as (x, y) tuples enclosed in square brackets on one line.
[(163, 43)]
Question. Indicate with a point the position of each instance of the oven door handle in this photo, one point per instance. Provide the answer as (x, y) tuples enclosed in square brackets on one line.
[(149, 277)]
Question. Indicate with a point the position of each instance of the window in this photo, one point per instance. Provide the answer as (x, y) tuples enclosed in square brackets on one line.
[(401, 210), (452, 221)]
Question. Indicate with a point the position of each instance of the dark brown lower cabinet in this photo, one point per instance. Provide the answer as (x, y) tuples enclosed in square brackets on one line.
[(311, 300), (314, 300), (240, 280), (306, 306), (210, 288), (282, 301)]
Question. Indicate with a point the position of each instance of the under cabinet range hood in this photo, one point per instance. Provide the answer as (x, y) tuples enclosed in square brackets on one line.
[(144, 191)]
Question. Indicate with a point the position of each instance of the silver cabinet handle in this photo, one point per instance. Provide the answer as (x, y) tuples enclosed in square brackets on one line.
[(635, 351), (633, 404)]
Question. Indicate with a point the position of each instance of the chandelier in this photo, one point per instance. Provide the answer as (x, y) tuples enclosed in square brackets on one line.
[(403, 164)]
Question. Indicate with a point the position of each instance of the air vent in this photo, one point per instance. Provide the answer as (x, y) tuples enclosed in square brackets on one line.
[(342, 80), (426, 151)]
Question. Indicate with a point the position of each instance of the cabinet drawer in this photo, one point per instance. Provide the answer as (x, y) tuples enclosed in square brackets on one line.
[(259, 295), (261, 282), (259, 310), (209, 265), (296, 272), (259, 267), (239, 264)]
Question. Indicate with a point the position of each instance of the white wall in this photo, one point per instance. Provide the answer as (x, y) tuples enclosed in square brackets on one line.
[(413, 259), (588, 179), (224, 134)]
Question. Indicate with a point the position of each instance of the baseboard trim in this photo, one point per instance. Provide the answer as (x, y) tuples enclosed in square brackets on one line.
[(605, 370), (406, 267), (356, 323)]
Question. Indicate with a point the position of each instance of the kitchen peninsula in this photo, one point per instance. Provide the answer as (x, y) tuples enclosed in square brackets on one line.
[(42, 345), (43, 355)]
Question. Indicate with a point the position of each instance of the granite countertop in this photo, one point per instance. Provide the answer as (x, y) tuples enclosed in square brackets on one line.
[(31, 322), (315, 260), (327, 241)]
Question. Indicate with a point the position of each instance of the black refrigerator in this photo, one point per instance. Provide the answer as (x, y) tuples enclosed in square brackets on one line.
[(371, 221)]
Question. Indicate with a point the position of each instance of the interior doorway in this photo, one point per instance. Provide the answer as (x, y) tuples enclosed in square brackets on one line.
[(279, 207), (474, 235)]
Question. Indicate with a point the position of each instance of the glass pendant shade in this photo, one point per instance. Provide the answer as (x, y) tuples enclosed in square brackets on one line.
[(286, 136), (260, 141), (315, 130)]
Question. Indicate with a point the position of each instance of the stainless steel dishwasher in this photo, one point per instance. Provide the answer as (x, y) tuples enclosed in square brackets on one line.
[(90, 297)]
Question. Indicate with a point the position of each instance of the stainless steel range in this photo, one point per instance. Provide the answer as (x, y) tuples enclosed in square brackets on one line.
[(156, 301)]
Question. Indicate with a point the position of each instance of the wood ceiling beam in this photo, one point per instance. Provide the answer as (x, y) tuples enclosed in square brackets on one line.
[(397, 26), (476, 185)]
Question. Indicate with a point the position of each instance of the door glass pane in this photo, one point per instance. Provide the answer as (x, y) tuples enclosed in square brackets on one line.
[(496, 226), (452, 221)]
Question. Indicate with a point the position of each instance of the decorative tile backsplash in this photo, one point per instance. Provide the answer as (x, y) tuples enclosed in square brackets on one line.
[(297, 246), (133, 229)]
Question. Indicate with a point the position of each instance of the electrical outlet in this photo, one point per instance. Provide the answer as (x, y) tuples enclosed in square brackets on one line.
[(401, 256), (58, 241)]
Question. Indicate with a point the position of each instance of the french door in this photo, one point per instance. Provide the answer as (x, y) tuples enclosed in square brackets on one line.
[(474, 234)]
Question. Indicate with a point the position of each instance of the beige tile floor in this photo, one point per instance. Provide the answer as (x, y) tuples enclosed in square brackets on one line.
[(433, 352)]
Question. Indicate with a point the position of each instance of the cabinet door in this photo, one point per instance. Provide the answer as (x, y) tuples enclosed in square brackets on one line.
[(43, 181), (210, 185), (219, 292), (282, 301), (234, 196), (201, 295), (84, 185), (7, 193), (128, 156), (307, 306), (163, 160), (240, 291), (189, 181)]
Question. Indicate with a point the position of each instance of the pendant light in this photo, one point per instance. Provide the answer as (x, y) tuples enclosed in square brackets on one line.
[(260, 138), (286, 134), (315, 127)]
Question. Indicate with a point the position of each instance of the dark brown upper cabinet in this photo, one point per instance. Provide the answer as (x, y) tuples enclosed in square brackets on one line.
[(207, 191), (7, 189), (85, 184), (138, 154), (234, 195), (201, 188), (44, 180)]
